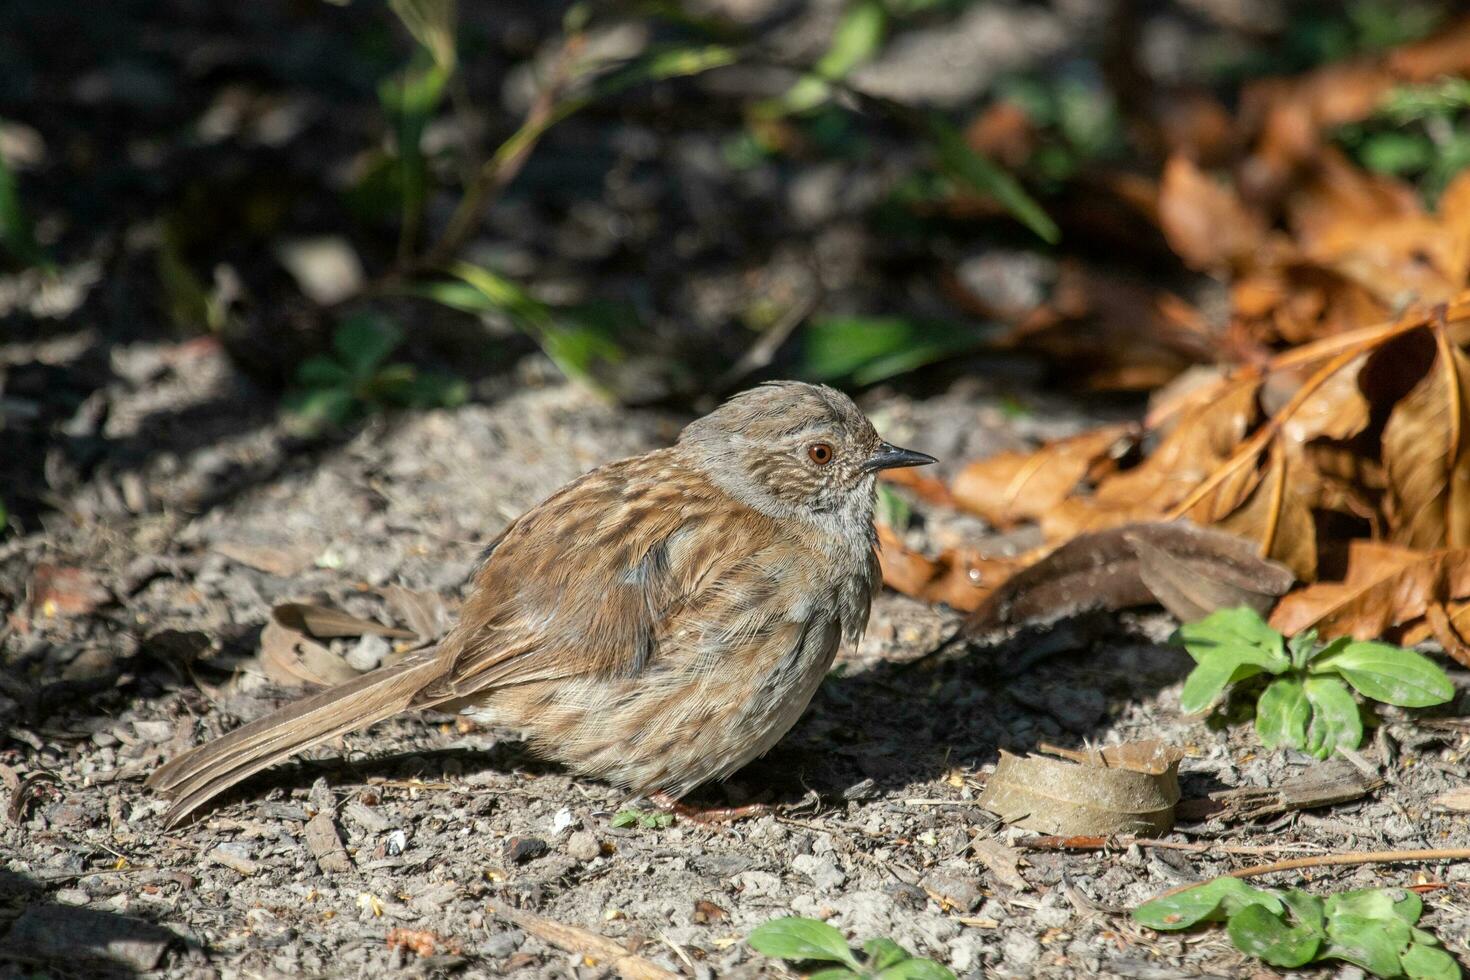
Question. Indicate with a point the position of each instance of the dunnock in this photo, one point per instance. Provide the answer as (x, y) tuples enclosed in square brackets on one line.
[(657, 623)]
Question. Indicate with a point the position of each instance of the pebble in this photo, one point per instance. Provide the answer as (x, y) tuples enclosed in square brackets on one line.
[(583, 846), (1019, 949), (368, 652), (823, 872), (519, 850)]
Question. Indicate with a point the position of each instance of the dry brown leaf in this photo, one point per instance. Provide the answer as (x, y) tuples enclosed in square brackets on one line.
[(1205, 221), (1454, 213), (1016, 486), (1184, 567), (960, 580), (290, 658), (1386, 586), (327, 622), (282, 562), (1447, 632), (1278, 513), (929, 489), (1447, 52), (1129, 789), (424, 613), (59, 590), (1426, 453)]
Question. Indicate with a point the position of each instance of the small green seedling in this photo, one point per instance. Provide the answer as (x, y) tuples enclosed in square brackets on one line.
[(811, 940), (1309, 705), (642, 818), (1374, 928), (333, 390)]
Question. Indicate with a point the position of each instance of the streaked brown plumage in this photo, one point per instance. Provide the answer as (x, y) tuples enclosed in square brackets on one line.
[(657, 623)]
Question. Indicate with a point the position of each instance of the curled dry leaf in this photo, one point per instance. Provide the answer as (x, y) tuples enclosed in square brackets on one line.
[(1003, 862), (1190, 570), (929, 489), (1016, 486), (1278, 513), (1124, 789), (289, 657), (326, 622)]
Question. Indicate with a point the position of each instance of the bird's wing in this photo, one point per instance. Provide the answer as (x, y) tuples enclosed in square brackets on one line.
[(591, 581)]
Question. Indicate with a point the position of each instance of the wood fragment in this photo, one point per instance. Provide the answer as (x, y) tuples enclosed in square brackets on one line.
[(1003, 862), (325, 845), (235, 862), (1335, 781), (583, 942)]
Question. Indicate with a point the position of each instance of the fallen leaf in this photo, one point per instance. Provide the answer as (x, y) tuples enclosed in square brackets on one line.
[(929, 489), (1385, 586), (1426, 454), (289, 657), (1278, 514), (1181, 565), (59, 590), (326, 622), (1446, 632), (282, 562), (1128, 789), (1016, 486), (424, 613), (1204, 220), (960, 580)]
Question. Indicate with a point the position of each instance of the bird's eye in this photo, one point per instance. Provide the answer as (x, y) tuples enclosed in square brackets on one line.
[(820, 453)]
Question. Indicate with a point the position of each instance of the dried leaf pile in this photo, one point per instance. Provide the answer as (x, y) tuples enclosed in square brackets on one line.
[(1332, 432)]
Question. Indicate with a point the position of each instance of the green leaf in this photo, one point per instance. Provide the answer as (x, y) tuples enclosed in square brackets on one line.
[(1389, 674), (322, 372), (916, 969), (1307, 910), (1367, 942), (872, 348), (1336, 722), (363, 341), (893, 509), (1428, 963), (1212, 901), (1301, 647), (883, 953), (833, 973), (624, 818), (16, 236), (1367, 903), (431, 22), (1238, 627), (968, 167), (1282, 714), (1255, 931), (313, 409), (858, 35), (794, 938)]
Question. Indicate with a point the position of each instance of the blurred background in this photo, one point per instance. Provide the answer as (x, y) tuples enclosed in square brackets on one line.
[(230, 233)]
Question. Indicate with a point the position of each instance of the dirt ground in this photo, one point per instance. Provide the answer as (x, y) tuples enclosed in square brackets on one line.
[(877, 784), (163, 509)]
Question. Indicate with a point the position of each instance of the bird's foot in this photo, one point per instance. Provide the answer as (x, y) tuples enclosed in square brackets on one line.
[(709, 816)]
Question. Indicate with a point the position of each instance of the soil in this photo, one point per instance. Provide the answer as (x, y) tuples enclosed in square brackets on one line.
[(161, 507)]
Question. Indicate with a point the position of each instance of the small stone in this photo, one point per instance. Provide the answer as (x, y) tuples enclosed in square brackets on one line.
[(756, 884), (519, 850), (326, 268), (823, 872), (502, 944), (368, 653), (154, 731), (73, 896), (236, 857), (1020, 950), (583, 846), (961, 893)]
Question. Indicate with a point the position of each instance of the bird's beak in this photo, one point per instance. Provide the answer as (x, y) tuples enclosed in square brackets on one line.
[(891, 458)]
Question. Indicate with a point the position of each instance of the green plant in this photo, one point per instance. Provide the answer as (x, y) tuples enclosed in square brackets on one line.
[(16, 235), (646, 819), (1373, 928), (802, 940), (1308, 705), (332, 390), (1419, 132)]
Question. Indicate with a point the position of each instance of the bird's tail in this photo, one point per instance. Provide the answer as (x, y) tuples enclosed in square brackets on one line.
[(202, 773)]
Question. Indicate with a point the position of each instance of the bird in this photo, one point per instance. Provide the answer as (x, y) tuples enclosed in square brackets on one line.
[(657, 623)]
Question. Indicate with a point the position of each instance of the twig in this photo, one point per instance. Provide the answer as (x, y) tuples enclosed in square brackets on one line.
[(574, 939), (1098, 843), (1341, 860), (760, 353), (497, 172)]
